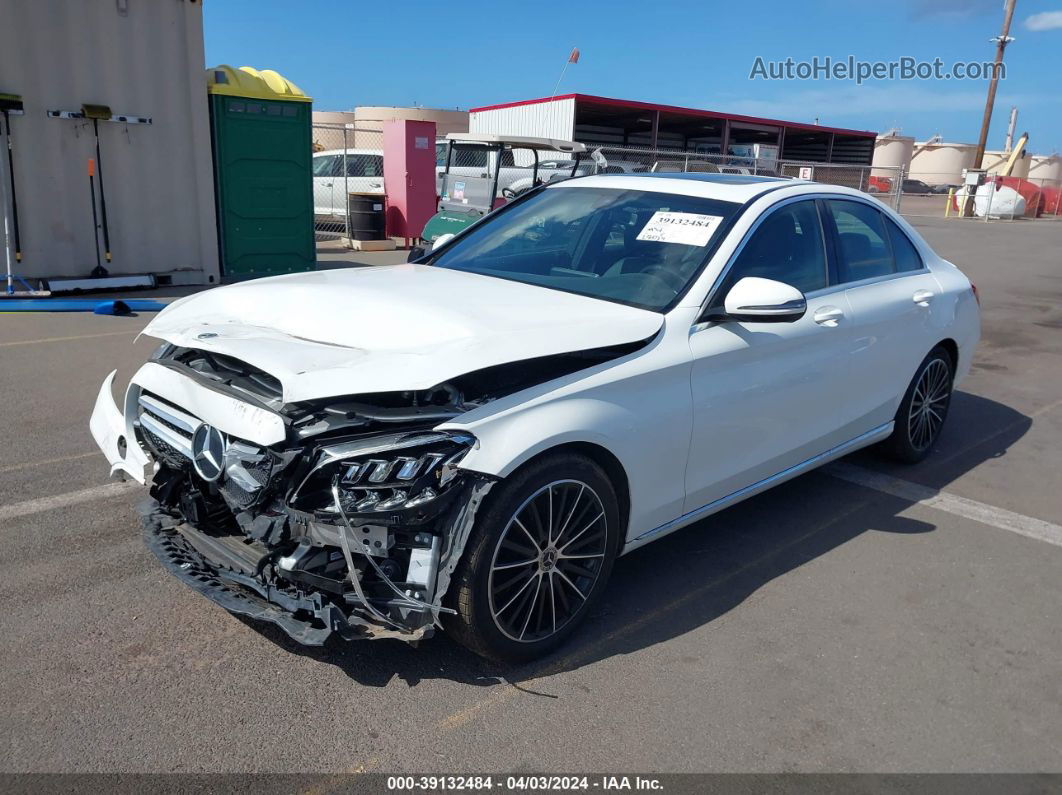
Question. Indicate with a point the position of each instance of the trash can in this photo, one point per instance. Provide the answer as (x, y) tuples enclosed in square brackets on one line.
[(260, 126), (367, 216)]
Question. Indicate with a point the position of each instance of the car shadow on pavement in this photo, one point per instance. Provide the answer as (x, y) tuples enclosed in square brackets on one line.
[(696, 575)]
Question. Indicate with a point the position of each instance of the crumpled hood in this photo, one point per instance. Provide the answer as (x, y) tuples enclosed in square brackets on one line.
[(393, 328)]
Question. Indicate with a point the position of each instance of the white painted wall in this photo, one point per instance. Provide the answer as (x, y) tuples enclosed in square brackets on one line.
[(555, 119), (142, 57)]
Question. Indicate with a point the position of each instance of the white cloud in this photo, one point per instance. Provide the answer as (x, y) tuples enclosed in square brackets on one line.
[(1047, 20)]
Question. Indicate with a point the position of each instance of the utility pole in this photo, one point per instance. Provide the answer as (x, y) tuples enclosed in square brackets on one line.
[(1001, 44)]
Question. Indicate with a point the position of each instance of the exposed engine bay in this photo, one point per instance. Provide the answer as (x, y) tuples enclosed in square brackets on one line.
[(353, 524)]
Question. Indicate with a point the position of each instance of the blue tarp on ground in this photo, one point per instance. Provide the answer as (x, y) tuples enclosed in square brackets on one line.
[(115, 307)]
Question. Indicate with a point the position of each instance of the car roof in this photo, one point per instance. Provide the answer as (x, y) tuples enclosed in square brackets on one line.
[(726, 187)]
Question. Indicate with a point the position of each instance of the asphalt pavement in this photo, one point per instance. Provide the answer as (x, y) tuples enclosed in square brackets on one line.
[(866, 617)]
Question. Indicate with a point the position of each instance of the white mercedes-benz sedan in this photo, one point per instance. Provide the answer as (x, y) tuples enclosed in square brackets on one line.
[(469, 441)]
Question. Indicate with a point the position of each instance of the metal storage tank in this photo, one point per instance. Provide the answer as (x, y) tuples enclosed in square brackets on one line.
[(1046, 167), (370, 117), (996, 159), (260, 126), (892, 152), (941, 163)]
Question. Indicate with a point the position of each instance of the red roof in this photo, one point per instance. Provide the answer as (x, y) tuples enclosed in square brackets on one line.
[(631, 104)]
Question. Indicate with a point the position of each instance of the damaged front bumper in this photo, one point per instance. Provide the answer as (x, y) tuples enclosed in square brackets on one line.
[(356, 535), (308, 616), (111, 432), (235, 592)]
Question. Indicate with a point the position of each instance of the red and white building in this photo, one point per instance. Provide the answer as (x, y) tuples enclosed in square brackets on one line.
[(601, 121)]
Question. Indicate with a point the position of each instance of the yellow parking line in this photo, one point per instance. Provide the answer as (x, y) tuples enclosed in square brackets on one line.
[(67, 339)]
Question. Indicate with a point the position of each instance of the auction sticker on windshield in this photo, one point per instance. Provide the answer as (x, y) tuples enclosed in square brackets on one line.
[(688, 229)]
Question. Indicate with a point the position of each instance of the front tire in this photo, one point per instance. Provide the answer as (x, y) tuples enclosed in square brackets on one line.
[(537, 561), (920, 417)]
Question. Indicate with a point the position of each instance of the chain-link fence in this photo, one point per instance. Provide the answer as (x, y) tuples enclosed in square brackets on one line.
[(918, 197), (940, 195), (882, 183), (1045, 198), (347, 166), (628, 160), (348, 171), (943, 195), (1009, 198)]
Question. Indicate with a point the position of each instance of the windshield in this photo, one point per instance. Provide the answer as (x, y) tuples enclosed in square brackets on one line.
[(629, 246)]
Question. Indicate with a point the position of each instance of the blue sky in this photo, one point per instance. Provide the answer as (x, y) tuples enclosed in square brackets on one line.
[(697, 54)]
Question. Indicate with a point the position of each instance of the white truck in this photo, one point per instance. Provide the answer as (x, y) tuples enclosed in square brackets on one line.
[(337, 172)]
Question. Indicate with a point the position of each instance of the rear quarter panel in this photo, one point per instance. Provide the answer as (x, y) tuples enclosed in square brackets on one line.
[(957, 315)]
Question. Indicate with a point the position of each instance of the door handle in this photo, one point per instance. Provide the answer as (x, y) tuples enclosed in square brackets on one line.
[(923, 297), (828, 316), (328, 184)]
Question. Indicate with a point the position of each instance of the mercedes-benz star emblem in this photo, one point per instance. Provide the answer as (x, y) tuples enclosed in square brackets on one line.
[(208, 452)]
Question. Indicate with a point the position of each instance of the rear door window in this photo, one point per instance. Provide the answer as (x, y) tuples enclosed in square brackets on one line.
[(864, 248), (364, 165), (903, 250), (325, 166)]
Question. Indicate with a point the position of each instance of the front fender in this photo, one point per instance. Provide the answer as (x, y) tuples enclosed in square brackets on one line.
[(507, 445), (650, 442)]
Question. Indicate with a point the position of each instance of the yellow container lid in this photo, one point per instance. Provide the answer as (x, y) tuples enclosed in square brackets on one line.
[(253, 84)]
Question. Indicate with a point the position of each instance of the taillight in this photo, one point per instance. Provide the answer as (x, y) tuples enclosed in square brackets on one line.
[(976, 294)]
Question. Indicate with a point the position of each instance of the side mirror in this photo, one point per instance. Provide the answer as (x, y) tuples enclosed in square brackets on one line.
[(423, 250), (441, 240), (756, 300)]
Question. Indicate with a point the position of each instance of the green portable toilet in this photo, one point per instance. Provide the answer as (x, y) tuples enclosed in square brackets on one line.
[(260, 128)]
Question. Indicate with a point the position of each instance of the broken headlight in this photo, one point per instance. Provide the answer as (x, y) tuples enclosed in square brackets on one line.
[(404, 474)]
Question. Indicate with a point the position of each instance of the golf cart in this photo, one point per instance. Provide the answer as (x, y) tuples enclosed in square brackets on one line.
[(483, 171)]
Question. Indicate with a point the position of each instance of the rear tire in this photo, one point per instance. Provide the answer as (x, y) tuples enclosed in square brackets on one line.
[(923, 410), (537, 561)]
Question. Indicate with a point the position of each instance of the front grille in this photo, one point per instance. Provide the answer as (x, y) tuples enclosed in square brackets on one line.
[(248, 472), (169, 431), (171, 455)]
